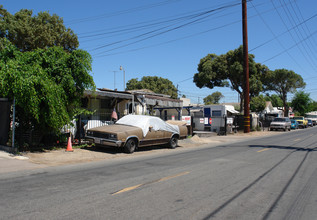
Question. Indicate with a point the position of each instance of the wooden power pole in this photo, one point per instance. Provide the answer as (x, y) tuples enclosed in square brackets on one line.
[(246, 68)]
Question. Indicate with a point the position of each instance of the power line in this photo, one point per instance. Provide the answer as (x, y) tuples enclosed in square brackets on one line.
[(295, 45), (300, 49), (107, 15), (199, 17), (277, 36), (177, 39)]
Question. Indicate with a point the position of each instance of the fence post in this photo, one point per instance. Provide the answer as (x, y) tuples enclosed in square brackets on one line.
[(13, 127)]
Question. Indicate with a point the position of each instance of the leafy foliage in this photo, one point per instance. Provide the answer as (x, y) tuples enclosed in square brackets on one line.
[(301, 102), (257, 103), (28, 32), (313, 106), (153, 83), (274, 99), (283, 81), (227, 71), (214, 98), (47, 83)]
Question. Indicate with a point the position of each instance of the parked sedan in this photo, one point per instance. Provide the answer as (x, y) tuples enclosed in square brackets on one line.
[(294, 124), (283, 123), (133, 131), (309, 123)]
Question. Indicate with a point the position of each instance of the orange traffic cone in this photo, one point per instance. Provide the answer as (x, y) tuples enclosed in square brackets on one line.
[(69, 145)]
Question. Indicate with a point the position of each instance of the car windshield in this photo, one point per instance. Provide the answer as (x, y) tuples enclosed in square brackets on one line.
[(279, 119), (298, 118), (310, 116)]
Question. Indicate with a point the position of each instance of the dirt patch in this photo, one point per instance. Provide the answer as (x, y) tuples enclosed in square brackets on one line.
[(88, 154)]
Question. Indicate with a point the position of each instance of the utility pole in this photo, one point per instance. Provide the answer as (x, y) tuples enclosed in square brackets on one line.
[(246, 68), (121, 68), (177, 91), (114, 79)]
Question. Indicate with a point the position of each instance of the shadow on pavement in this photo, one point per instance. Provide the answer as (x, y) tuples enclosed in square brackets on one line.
[(284, 147)]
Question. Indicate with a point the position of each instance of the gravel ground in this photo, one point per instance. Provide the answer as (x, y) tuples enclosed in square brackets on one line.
[(88, 154)]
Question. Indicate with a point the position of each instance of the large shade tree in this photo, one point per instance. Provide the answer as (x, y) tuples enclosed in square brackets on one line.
[(153, 83), (283, 81), (28, 32), (301, 102), (214, 98), (226, 70), (41, 67), (47, 84)]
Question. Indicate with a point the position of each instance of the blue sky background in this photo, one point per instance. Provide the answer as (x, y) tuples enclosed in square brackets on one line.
[(167, 38)]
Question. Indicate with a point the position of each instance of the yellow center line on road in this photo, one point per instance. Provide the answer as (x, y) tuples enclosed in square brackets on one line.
[(155, 181), (263, 150), (298, 139)]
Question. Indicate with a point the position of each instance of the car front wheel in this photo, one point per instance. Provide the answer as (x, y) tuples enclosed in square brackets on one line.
[(173, 142), (130, 146)]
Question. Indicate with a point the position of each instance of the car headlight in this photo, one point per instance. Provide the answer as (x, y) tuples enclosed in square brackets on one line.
[(113, 136), (90, 133)]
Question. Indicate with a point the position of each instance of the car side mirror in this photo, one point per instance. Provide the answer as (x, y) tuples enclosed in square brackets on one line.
[(150, 128)]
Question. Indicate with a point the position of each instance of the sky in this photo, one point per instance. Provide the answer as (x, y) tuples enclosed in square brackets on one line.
[(167, 38)]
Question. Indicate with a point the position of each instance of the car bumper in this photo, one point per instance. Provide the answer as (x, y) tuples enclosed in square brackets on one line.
[(278, 127), (106, 142)]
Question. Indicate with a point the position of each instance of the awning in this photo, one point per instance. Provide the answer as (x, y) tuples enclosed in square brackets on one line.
[(233, 111), (109, 94)]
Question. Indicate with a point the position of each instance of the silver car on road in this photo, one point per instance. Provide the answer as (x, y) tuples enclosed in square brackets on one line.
[(283, 123)]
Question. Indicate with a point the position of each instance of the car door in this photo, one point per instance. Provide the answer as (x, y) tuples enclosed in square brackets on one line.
[(153, 137)]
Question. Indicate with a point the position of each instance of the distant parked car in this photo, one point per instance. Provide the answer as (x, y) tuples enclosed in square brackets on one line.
[(302, 122), (294, 124), (309, 123), (283, 123), (133, 131)]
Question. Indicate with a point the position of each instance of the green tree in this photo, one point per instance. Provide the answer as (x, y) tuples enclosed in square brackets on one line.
[(274, 99), (153, 83), (257, 103), (227, 70), (214, 98), (301, 102), (28, 32), (283, 81), (313, 106), (47, 84)]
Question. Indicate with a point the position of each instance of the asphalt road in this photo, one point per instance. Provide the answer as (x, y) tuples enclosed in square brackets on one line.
[(266, 178)]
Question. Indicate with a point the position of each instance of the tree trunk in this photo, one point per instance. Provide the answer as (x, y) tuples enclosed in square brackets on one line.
[(285, 106)]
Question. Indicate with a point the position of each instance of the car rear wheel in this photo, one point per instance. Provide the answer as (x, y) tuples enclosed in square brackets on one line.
[(130, 146), (173, 142)]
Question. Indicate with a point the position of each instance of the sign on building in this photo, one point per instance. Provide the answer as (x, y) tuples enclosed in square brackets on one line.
[(188, 119)]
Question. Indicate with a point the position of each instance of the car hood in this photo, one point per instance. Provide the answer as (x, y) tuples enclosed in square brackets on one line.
[(278, 122)]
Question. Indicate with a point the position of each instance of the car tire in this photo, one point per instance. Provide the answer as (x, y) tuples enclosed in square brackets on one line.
[(173, 142), (130, 146)]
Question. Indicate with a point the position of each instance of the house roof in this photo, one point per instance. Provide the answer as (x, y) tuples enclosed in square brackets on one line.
[(108, 93), (149, 98)]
